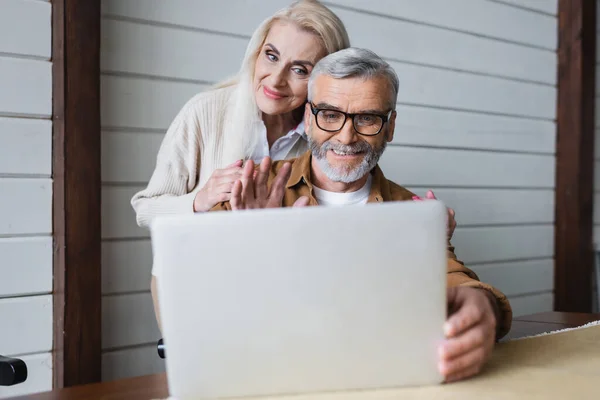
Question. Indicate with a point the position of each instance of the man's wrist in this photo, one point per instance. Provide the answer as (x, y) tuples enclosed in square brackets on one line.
[(495, 308)]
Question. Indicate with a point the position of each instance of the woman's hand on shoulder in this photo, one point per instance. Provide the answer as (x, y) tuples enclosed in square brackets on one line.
[(218, 187)]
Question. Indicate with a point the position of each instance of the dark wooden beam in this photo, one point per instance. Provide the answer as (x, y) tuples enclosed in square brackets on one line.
[(574, 258), (76, 191)]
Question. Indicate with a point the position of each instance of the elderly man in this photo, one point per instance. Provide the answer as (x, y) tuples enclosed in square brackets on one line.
[(350, 117)]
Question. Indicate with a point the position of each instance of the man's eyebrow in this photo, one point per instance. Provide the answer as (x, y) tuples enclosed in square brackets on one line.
[(366, 111), (328, 106), (372, 111)]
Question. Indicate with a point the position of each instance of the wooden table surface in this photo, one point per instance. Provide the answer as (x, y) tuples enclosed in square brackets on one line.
[(155, 386)]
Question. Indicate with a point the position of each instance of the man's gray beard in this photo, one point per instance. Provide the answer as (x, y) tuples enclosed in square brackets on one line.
[(346, 174)]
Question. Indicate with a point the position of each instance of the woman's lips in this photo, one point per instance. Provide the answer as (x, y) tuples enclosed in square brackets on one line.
[(272, 94)]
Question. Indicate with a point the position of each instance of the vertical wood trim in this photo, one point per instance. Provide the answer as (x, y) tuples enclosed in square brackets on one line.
[(58, 184), (76, 191), (574, 258)]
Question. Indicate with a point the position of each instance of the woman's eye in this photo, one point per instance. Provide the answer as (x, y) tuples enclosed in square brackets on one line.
[(271, 56), (300, 71)]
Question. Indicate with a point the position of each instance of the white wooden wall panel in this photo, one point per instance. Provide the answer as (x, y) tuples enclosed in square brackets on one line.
[(128, 47), (26, 325), (26, 266), (125, 320), (476, 207), (26, 190), (142, 103), (25, 206), (24, 28), (409, 42), (546, 6), (484, 245), (149, 50), (423, 126), (478, 17), (238, 17), (25, 146), (125, 155), (463, 168), (26, 87), (118, 217), (435, 87), (126, 266), (516, 278), (39, 376), (482, 18), (130, 362), (537, 303), (475, 123)]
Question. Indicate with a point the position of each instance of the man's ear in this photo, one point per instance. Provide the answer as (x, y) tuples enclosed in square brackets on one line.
[(391, 126), (307, 114)]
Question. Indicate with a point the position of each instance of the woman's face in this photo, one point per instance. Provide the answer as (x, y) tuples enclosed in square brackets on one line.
[(283, 66)]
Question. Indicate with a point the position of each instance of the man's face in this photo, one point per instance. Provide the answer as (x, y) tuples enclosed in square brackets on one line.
[(345, 155)]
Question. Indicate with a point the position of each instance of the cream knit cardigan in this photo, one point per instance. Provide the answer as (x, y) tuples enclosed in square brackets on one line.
[(191, 150)]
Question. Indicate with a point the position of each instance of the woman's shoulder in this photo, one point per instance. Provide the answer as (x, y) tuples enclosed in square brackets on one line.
[(218, 97)]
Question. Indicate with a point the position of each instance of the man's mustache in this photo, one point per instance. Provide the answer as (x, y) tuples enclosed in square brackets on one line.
[(354, 148)]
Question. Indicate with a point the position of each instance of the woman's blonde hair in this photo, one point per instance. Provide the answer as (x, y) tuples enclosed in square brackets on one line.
[(242, 129)]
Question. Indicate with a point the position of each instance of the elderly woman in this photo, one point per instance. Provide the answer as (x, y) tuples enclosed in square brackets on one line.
[(255, 114)]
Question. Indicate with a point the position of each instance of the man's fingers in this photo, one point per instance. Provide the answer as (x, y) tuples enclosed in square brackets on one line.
[(236, 196), (474, 358), (261, 178), (451, 222), (430, 195), (248, 183), (467, 316), (464, 374), (458, 346), (278, 186), (301, 202)]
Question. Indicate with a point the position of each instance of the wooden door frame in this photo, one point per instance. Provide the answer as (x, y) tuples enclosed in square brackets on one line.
[(574, 196), (76, 191)]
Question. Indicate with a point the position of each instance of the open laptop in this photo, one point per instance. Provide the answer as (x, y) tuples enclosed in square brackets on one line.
[(302, 300)]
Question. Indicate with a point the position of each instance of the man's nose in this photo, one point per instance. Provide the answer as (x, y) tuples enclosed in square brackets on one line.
[(347, 135)]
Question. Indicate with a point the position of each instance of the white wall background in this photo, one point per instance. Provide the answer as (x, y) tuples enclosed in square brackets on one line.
[(26, 190), (475, 123)]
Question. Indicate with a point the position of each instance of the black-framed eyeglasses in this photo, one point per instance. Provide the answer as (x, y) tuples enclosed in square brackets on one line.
[(364, 123)]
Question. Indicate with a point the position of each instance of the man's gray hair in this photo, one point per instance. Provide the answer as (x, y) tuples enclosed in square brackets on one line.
[(354, 62)]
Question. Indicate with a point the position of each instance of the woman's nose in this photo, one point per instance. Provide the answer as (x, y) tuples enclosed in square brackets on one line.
[(279, 77)]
